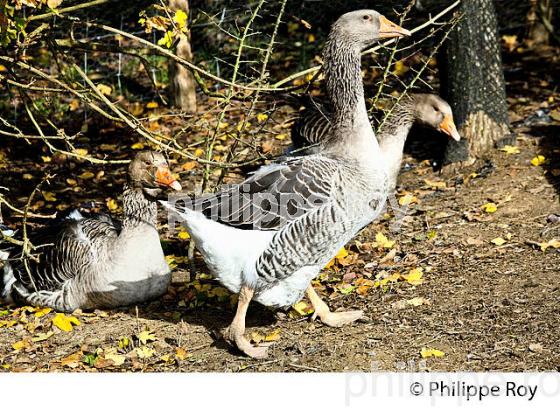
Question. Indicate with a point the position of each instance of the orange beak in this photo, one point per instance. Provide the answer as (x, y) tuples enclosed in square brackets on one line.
[(448, 126), (164, 177), (388, 29)]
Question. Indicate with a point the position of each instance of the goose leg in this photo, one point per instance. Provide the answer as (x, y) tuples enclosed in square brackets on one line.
[(234, 333), (333, 319)]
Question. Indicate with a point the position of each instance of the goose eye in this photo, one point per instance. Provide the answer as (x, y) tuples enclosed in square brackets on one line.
[(366, 17)]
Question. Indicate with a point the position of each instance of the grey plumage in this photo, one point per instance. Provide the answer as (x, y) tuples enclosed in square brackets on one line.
[(277, 257), (312, 129), (347, 182), (96, 261)]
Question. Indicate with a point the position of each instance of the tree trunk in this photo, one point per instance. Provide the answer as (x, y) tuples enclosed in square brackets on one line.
[(473, 82), (183, 85), (540, 12)]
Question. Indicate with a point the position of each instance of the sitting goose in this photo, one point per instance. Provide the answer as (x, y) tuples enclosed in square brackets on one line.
[(268, 237), (97, 262), (428, 110)]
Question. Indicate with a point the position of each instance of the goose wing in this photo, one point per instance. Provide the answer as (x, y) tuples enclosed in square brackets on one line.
[(310, 241), (313, 125), (64, 250), (275, 195)]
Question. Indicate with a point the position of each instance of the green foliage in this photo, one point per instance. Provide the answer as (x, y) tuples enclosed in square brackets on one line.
[(12, 22)]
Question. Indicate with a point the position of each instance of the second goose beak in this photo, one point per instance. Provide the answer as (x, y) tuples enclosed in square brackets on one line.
[(164, 177), (448, 126), (388, 29)]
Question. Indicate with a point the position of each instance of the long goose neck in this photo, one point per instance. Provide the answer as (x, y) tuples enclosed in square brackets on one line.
[(393, 134), (343, 76), (350, 123), (138, 208)]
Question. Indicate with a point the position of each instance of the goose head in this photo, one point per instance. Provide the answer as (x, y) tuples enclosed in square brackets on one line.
[(149, 171), (362, 28), (432, 111)]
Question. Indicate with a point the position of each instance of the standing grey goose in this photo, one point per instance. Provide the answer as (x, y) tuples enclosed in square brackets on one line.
[(98, 262), (268, 237), (430, 110)]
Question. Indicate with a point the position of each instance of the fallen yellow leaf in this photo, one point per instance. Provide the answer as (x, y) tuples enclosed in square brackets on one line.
[(65, 323), (181, 353), (41, 336), (510, 42), (510, 150), (187, 166), (144, 352), (42, 312), (498, 241), (72, 360), (426, 353), (22, 344), (273, 336), (553, 243), (86, 175), (104, 89), (124, 342), (53, 4), (49, 196), (381, 241), (112, 204), (152, 104), (112, 354), (490, 207), (538, 160), (261, 117), (302, 308), (414, 277), (435, 184), (138, 145), (408, 199), (400, 68), (342, 253), (74, 105), (81, 152), (146, 336)]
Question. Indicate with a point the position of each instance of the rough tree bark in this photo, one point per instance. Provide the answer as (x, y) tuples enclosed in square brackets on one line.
[(183, 84), (473, 82)]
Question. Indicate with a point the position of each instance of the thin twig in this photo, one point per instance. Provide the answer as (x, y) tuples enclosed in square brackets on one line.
[(63, 10)]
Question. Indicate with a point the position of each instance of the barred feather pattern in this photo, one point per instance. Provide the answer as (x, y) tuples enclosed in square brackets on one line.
[(80, 258), (313, 239), (345, 89), (348, 179), (275, 195)]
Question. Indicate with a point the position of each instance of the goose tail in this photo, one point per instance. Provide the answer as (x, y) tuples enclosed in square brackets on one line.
[(184, 213)]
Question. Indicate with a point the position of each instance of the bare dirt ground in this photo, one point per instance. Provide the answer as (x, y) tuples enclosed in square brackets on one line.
[(486, 306)]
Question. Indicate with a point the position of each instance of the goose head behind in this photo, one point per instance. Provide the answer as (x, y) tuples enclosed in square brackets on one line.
[(428, 110), (432, 111), (149, 172)]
